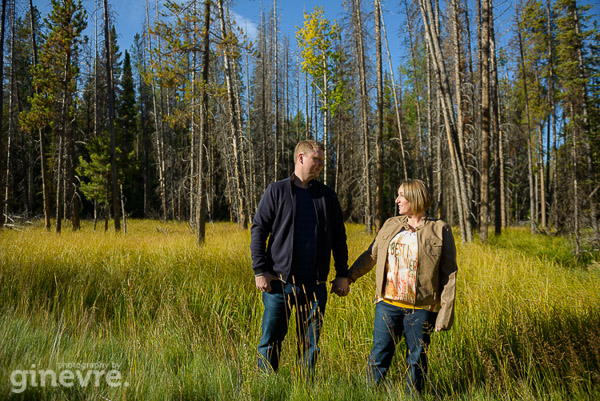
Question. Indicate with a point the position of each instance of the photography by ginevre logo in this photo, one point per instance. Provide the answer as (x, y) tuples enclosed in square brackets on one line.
[(68, 375)]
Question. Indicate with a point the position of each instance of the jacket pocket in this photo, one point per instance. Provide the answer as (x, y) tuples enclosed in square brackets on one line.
[(433, 247)]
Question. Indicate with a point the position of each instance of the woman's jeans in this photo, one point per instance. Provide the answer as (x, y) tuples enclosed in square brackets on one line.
[(310, 301), (390, 323)]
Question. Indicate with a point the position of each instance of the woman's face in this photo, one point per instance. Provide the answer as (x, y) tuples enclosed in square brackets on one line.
[(404, 206)]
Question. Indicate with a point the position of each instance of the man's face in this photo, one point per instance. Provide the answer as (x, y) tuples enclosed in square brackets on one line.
[(312, 163)]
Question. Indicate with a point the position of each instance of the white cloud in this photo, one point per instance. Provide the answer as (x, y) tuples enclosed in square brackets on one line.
[(248, 26)]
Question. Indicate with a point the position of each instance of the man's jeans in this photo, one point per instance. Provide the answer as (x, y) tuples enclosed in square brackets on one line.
[(390, 323), (310, 301)]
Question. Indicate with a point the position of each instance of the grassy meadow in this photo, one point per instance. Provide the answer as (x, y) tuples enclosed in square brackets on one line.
[(178, 321)]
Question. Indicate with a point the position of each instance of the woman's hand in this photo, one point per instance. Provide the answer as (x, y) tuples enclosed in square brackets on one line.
[(340, 286)]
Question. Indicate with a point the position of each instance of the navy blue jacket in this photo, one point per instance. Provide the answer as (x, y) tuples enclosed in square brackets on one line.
[(274, 220)]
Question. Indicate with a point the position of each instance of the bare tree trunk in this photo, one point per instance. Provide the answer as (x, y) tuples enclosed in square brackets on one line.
[(364, 113), (59, 181), (242, 144), (459, 103), (63, 129), (447, 109), (396, 106), (2, 30), (158, 127), (234, 123), (495, 120), (551, 102), (379, 125), (111, 125), (146, 141), (542, 201), (276, 65), (192, 156), (8, 195), (307, 130), (325, 124), (586, 129), (485, 118), (575, 187), (41, 133), (252, 186), (503, 214), (529, 155), (263, 109), (414, 58), (122, 198), (201, 208)]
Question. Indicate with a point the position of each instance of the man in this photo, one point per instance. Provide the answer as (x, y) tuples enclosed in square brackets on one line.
[(302, 220)]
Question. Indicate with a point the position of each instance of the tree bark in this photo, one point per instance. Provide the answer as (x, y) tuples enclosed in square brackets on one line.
[(201, 208), (2, 175), (158, 127), (379, 125), (8, 193), (234, 123), (529, 152), (111, 125), (364, 114), (485, 118), (552, 123), (495, 122), (396, 105), (586, 129), (277, 127), (433, 43)]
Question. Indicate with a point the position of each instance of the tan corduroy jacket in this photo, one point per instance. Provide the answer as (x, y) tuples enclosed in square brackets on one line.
[(436, 264)]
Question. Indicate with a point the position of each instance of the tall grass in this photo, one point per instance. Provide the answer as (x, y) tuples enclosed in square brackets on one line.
[(182, 322)]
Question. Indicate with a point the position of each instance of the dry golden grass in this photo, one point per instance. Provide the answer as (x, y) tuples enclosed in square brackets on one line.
[(182, 321)]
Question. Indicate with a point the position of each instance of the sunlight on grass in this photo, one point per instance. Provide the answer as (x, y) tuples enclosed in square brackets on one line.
[(182, 321)]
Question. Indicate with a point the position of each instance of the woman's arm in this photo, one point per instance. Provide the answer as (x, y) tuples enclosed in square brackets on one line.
[(447, 271)]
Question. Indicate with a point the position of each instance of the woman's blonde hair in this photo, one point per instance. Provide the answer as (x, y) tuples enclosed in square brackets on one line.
[(417, 193)]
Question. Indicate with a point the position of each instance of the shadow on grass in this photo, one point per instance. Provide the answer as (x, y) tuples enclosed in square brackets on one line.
[(551, 353)]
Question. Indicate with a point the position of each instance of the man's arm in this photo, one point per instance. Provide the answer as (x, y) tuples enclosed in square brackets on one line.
[(341, 284), (260, 231), (339, 246)]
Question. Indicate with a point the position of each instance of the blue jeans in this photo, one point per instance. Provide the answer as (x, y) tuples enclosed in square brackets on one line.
[(391, 322), (310, 301)]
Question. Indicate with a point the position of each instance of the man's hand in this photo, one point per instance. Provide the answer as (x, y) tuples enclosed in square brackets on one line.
[(263, 282), (340, 286)]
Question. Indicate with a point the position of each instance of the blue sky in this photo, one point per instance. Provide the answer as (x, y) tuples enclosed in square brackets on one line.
[(130, 16)]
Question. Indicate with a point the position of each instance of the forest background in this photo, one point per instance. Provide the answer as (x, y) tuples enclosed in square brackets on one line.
[(194, 119)]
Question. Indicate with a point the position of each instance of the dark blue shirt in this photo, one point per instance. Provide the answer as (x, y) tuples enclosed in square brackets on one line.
[(304, 269)]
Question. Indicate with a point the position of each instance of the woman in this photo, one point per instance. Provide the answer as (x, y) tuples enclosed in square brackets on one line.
[(415, 283)]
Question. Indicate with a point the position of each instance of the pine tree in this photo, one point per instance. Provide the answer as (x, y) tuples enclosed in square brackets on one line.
[(126, 130), (55, 78)]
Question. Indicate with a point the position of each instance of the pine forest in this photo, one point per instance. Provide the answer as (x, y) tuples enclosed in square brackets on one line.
[(195, 119)]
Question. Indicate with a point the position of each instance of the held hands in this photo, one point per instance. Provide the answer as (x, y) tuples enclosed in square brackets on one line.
[(263, 282), (340, 286)]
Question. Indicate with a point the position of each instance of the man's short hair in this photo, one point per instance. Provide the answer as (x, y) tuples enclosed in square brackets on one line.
[(306, 146), (417, 193)]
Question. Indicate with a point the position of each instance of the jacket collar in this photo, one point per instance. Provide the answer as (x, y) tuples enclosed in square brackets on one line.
[(403, 222), (312, 184)]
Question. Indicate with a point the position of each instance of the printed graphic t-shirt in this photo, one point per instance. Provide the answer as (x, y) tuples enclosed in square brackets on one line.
[(401, 276)]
